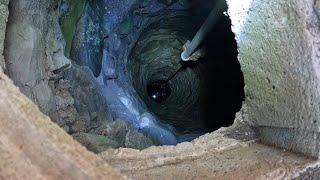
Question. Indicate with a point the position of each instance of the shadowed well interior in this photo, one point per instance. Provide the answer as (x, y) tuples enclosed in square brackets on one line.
[(199, 96), (109, 73), (116, 79)]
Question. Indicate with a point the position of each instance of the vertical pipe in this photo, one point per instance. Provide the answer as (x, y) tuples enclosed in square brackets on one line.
[(206, 27)]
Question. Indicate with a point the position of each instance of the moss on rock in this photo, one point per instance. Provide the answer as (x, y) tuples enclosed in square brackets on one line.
[(126, 25), (69, 21)]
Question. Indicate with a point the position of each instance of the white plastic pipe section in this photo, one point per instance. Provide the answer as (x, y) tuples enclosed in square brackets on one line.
[(206, 27)]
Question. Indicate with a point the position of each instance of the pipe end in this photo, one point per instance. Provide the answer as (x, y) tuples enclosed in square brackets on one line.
[(183, 56)]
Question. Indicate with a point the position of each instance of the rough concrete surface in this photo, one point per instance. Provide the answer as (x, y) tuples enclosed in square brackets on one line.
[(211, 156), (279, 55)]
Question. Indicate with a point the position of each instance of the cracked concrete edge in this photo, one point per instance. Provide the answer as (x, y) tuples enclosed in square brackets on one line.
[(297, 140), (147, 158), (200, 158), (33, 147), (240, 134)]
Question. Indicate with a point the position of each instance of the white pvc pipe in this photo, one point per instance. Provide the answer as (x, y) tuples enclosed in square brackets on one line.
[(206, 27)]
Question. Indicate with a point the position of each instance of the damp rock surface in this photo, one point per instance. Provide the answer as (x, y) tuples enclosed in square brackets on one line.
[(36, 60), (87, 44)]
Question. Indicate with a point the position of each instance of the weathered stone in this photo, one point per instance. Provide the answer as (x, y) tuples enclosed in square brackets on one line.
[(78, 126), (62, 101), (95, 143), (31, 42), (55, 48), (137, 140), (88, 98), (61, 63), (67, 114), (65, 105), (33, 147), (124, 134), (115, 130), (43, 96)]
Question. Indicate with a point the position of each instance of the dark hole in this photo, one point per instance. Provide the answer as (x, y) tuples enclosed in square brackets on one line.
[(204, 95), (224, 91), (159, 91)]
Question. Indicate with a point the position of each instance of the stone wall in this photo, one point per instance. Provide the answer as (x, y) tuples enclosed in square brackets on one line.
[(87, 43), (34, 51), (33, 147), (69, 94), (278, 50)]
